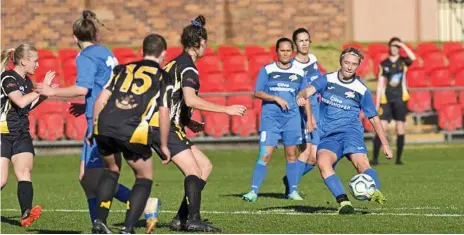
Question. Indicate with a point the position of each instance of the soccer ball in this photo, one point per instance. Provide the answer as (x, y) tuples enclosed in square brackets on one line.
[(362, 187), (151, 209)]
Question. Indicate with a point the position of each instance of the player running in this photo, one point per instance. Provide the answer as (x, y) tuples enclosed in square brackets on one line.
[(132, 97), (308, 62), (277, 85), (193, 163), (342, 134), (17, 99), (394, 95), (94, 66)]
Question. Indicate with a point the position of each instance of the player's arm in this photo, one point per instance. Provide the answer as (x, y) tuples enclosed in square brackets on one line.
[(380, 88), (11, 89), (164, 102), (309, 116), (260, 93), (406, 49), (316, 86)]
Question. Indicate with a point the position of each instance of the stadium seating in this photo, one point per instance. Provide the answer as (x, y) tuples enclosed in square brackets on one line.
[(433, 59), (256, 63), (129, 59), (426, 47), (449, 47), (69, 72), (67, 54), (416, 78), (214, 82), (461, 99), (377, 59), (365, 67), (239, 82), (459, 77), (50, 120), (420, 102), (122, 53), (244, 100), (367, 125), (197, 117), (33, 124), (45, 54), (354, 45), (456, 59), (208, 64), (216, 124), (377, 48), (172, 52), (234, 63), (246, 125), (226, 51), (45, 65), (450, 117), (209, 52), (443, 98), (75, 126), (251, 51), (440, 77)]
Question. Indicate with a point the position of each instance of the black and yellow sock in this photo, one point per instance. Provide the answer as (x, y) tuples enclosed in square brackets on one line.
[(377, 144), (106, 189), (193, 186), (399, 147), (183, 211), (137, 201), (25, 195)]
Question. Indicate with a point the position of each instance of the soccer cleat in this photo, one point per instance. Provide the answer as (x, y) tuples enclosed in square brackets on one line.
[(378, 197), (177, 224), (151, 213), (294, 196), (345, 208), (125, 230), (31, 215), (198, 225), (100, 228), (250, 197), (287, 188)]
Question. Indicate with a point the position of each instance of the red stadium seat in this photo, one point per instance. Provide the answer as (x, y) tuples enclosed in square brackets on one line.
[(208, 64), (420, 102), (256, 63), (226, 51), (365, 68), (129, 59), (197, 117), (251, 51), (220, 100), (377, 48), (440, 77), (50, 120), (67, 54), (69, 72), (46, 65), (461, 99), (234, 63), (246, 125), (217, 124), (354, 45), (459, 77), (416, 78), (45, 54), (449, 47), (209, 52), (443, 98), (123, 52), (433, 60), (33, 124), (244, 100), (321, 68), (377, 59), (172, 52), (239, 82), (450, 117), (367, 125), (426, 47), (456, 59), (76, 127), (213, 82)]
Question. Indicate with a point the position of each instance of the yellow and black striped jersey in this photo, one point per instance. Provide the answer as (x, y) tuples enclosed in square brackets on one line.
[(13, 118), (138, 90)]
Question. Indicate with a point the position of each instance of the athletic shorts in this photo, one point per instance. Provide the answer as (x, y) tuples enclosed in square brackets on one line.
[(312, 137), (289, 138), (90, 154), (131, 152), (177, 141), (15, 143), (395, 109), (343, 144)]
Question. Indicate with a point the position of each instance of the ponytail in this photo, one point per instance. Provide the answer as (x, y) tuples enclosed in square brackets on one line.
[(5, 58)]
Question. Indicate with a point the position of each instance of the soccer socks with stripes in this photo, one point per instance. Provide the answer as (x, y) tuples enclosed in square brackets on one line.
[(92, 202), (192, 188), (373, 174), (182, 213), (293, 175), (106, 189), (122, 193), (258, 176), (399, 147), (335, 185), (25, 195), (138, 199), (377, 144)]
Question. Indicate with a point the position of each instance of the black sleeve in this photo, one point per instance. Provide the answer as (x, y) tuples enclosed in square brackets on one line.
[(9, 84), (166, 86), (189, 78), (407, 61), (382, 71), (117, 71)]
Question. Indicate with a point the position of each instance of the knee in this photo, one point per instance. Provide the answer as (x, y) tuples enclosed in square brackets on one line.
[(23, 173), (362, 165), (206, 168), (113, 168), (291, 157)]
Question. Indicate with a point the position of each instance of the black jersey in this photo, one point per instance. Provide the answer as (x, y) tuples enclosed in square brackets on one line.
[(184, 74), (13, 118), (395, 73), (138, 90)]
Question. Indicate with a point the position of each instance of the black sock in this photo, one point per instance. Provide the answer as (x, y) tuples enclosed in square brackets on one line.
[(342, 198), (106, 188), (376, 148), (399, 147), (182, 213), (25, 195), (138, 199), (192, 187)]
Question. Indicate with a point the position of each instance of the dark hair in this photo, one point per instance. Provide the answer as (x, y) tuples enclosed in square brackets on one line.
[(15, 54), (392, 40), (193, 33), (298, 31), (154, 45), (353, 51), (283, 40), (84, 28)]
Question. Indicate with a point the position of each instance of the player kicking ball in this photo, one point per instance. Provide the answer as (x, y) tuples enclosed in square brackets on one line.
[(342, 133)]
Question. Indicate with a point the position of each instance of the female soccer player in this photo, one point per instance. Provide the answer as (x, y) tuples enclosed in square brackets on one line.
[(342, 134), (17, 99), (94, 66), (277, 85), (392, 97), (195, 165)]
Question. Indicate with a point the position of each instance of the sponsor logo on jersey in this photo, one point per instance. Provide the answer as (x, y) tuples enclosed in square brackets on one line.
[(126, 102), (293, 78), (349, 94)]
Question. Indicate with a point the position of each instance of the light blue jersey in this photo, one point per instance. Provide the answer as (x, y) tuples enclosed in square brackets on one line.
[(275, 122), (94, 67), (339, 123)]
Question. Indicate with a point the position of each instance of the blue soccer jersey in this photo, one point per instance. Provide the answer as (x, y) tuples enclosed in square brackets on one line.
[(284, 83)]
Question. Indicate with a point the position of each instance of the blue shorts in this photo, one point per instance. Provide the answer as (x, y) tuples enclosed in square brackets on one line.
[(343, 144), (90, 154), (289, 138), (313, 137)]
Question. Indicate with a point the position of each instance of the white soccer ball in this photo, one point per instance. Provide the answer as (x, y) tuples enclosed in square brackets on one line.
[(152, 208), (362, 187)]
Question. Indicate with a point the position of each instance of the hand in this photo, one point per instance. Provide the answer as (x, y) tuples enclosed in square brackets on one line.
[(281, 102), (76, 109), (45, 89), (196, 126), (301, 100), (89, 139), (238, 110), (167, 154), (398, 44), (388, 152), (49, 77)]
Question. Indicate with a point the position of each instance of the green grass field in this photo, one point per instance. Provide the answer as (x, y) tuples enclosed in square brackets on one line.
[(424, 196)]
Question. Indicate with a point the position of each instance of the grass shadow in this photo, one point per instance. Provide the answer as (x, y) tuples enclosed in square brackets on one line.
[(268, 195), (10, 220)]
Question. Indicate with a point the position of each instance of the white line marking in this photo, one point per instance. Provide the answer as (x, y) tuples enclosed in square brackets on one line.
[(269, 212)]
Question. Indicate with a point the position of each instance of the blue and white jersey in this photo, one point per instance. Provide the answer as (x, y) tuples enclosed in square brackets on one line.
[(341, 104), (311, 72), (284, 83), (95, 64)]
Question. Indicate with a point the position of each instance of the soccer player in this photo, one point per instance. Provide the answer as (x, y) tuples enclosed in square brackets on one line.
[(94, 66), (191, 161), (277, 85), (342, 134), (308, 62), (392, 97), (17, 99), (122, 112)]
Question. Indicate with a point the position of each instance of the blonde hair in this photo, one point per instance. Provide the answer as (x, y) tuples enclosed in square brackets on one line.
[(15, 54)]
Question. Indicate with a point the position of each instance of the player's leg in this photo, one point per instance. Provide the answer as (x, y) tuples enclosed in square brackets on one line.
[(6, 153), (305, 152), (361, 163), (4, 162), (385, 114), (399, 115), (291, 140), (311, 162)]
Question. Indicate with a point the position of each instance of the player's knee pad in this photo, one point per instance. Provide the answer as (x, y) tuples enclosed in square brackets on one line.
[(263, 156)]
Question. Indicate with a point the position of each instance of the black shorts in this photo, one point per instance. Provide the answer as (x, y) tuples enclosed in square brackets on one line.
[(177, 141), (109, 145), (395, 109), (16, 143)]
